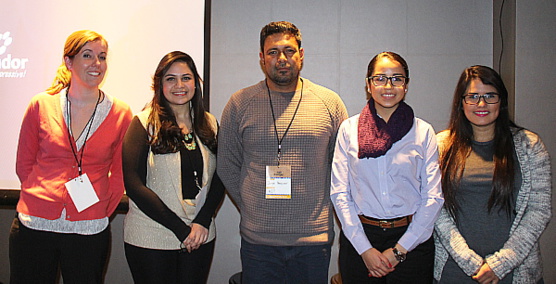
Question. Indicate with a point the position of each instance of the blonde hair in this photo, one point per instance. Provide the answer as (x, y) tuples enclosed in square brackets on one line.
[(74, 44)]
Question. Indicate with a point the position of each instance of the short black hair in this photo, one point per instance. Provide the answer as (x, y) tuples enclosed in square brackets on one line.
[(280, 27)]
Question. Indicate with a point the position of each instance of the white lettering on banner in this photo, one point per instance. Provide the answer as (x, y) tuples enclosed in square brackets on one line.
[(13, 74), (9, 62), (13, 63)]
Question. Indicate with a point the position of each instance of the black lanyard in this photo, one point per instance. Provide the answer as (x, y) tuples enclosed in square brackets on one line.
[(90, 123), (274, 118)]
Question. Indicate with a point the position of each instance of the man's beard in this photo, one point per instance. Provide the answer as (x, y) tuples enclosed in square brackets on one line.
[(279, 79), (287, 79)]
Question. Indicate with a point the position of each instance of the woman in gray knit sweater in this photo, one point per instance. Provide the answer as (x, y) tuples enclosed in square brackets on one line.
[(497, 188)]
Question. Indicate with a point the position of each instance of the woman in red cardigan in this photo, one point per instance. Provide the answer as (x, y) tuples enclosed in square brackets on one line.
[(69, 166)]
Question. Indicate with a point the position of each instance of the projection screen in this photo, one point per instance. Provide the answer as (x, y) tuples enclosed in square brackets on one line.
[(139, 33)]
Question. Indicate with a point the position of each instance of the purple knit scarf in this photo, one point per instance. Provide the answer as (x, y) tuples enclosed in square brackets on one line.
[(375, 136)]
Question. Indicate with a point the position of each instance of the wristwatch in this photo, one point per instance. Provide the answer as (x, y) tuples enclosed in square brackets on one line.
[(400, 256)]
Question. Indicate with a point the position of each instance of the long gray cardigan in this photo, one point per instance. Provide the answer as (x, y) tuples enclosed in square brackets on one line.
[(521, 251)]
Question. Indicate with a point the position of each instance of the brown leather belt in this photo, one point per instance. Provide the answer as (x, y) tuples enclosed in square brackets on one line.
[(386, 224)]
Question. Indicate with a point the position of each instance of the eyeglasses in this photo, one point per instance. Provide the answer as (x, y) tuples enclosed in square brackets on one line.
[(474, 99), (381, 80)]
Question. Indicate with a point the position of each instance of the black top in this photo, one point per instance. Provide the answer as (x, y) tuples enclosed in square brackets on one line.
[(191, 161), (134, 160)]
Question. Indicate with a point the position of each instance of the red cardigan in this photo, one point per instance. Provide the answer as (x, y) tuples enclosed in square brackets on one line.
[(45, 161)]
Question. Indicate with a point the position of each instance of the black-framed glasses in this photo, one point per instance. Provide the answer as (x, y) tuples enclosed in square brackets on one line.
[(381, 80), (474, 99)]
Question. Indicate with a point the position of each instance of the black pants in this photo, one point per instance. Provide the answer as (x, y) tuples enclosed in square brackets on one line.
[(417, 268), (169, 266), (36, 256)]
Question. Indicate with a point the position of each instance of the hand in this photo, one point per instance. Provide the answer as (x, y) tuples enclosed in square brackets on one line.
[(196, 237), (377, 264), (389, 254), (485, 275)]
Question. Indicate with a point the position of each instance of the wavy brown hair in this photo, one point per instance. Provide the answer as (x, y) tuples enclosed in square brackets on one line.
[(74, 44), (460, 138), (166, 135)]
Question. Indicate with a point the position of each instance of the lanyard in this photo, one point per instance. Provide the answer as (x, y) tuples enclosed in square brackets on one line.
[(90, 123), (291, 121)]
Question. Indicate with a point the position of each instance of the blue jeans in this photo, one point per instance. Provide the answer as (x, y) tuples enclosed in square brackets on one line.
[(284, 264)]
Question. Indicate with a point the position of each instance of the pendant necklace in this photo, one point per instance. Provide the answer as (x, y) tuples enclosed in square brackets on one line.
[(189, 141)]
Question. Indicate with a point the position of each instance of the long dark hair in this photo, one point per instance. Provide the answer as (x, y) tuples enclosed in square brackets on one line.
[(460, 137), (166, 135)]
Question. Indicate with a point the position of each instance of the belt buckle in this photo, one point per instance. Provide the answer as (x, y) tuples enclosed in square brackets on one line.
[(385, 224)]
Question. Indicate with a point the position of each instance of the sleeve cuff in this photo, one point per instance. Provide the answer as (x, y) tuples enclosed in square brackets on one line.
[(360, 243), (497, 266)]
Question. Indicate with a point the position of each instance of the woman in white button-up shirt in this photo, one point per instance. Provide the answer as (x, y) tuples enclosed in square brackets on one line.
[(386, 183)]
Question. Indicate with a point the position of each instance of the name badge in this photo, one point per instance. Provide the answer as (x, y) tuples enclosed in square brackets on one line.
[(278, 182), (82, 192)]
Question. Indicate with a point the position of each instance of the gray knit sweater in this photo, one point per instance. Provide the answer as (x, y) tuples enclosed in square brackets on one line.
[(247, 143), (533, 210)]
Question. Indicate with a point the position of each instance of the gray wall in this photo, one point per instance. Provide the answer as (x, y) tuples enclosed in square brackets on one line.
[(437, 38), (535, 100)]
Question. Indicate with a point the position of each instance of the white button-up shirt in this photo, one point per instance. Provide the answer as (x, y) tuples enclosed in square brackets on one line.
[(405, 181)]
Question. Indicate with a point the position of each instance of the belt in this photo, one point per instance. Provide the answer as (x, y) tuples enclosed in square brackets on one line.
[(386, 224)]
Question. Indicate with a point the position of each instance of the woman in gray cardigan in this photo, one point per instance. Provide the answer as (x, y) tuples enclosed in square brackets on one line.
[(497, 189), (169, 162)]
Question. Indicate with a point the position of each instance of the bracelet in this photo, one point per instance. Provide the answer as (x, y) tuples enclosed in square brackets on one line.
[(400, 256)]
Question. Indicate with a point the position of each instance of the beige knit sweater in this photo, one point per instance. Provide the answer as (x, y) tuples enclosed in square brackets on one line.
[(247, 143)]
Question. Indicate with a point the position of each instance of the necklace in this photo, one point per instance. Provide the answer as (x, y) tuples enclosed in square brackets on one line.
[(189, 141)]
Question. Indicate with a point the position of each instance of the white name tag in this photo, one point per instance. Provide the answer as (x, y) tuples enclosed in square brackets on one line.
[(278, 182), (82, 192)]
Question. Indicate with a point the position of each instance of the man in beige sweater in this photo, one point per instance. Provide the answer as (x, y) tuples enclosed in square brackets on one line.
[(275, 150)]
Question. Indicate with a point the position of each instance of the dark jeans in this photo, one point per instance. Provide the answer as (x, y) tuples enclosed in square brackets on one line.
[(417, 268), (284, 264), (35, 256), (169, 266)]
